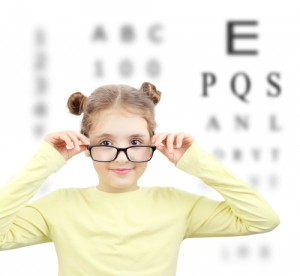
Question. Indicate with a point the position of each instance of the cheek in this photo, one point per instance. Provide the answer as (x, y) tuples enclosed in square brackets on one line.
[(141, 168), (100, 167)]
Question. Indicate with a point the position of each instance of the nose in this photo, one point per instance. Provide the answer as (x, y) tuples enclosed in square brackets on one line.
[(121, 157)]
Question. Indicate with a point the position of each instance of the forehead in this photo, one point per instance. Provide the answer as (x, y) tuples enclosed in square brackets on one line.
[(119, 123)]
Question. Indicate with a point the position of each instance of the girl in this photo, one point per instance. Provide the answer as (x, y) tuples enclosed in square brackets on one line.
[(118, 227)]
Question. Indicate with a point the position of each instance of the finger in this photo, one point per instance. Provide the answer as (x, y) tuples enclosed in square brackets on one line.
[(72, 152), (85, 140), (179, 139), (79, 139), (72, 136), (170, 142), (63, 137), (158, 139)]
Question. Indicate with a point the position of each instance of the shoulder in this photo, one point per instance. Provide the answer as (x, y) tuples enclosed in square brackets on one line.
[(57, 196)]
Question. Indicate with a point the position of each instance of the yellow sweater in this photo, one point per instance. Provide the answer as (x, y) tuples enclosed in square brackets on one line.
[(135, 233)]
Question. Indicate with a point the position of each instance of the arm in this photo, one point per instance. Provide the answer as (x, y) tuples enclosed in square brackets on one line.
[(243, 210), (20, 224), (15, 195)]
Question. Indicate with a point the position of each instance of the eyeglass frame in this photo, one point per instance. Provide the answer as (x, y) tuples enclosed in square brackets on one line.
[(89, 148)]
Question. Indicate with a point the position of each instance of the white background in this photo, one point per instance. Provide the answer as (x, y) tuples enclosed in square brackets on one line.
[(194, 41)]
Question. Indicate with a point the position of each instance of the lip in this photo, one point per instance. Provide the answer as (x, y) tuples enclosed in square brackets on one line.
[(121, 171)]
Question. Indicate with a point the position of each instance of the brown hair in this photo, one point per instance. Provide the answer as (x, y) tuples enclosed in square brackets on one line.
[(138, 101)]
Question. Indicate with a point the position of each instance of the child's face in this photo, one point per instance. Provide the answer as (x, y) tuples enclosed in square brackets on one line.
[(120, 129)]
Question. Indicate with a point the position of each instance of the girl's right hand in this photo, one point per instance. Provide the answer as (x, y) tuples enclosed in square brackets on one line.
[(67, 143)]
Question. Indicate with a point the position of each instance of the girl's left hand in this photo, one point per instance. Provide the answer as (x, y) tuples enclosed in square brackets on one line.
[(173, 146)]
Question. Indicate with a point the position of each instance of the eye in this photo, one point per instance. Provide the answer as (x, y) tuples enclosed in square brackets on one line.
[(105, 143), (136, 142)]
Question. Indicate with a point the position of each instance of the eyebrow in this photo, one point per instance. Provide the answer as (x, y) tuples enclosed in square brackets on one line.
[(143, 135), (104, 135)]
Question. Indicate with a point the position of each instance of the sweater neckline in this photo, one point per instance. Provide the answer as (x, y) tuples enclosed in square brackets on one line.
[(95, 193)]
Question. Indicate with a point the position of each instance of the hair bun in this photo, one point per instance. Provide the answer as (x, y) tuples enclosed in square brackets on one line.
[(150, 90), (76, 103)]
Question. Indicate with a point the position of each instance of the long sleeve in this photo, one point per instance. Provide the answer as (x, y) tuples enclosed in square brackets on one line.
[(243, 210), (21, 225)]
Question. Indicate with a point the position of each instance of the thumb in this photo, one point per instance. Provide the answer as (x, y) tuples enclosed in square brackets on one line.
[(74, 151), (166, 152)]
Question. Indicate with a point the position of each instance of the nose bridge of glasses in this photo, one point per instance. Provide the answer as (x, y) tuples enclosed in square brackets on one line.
[(123, 153)]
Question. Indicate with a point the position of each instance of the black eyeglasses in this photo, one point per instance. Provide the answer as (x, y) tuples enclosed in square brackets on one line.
[(137, 154)]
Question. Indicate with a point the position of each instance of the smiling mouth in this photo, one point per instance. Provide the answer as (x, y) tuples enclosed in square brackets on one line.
[(121, 171)]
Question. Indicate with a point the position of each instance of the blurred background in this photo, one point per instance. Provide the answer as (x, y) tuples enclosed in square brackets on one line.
[(228, 72)]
